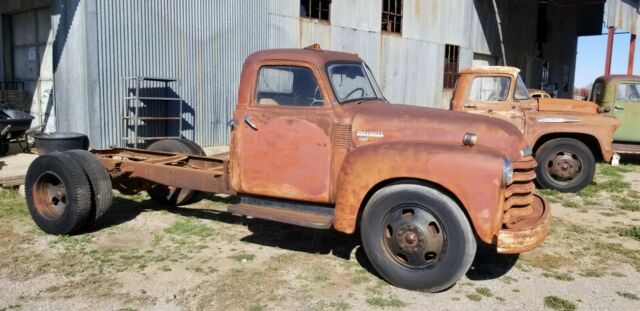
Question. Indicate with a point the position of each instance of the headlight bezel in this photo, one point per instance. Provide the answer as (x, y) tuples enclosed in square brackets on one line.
[(507, 172)]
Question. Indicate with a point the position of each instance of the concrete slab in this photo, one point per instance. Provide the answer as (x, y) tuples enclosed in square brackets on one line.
[(14, 168)]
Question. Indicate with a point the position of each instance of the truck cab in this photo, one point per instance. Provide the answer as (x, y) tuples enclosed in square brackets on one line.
[(619, 95), (567, 136)]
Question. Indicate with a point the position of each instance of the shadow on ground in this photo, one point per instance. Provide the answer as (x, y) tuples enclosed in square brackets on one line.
[(487, 263)]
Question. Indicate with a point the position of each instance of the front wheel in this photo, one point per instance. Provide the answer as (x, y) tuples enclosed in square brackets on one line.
[(416, 237), (565, 164)]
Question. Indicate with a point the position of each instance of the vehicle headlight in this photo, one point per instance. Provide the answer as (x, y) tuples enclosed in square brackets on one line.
[(526, 151), (507, 172)]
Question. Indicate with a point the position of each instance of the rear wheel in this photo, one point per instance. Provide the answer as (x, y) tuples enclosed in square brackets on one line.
[(417, 237), (170, 195), (100, 180), (565, 164), (58, 194)]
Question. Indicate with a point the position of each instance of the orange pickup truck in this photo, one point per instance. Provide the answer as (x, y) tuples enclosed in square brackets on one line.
[(567, 136), (314, 143)]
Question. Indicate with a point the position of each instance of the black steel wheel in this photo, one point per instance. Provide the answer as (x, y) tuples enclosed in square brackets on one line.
[(58, 194), (170, 195), (565, 164), (417, 237)]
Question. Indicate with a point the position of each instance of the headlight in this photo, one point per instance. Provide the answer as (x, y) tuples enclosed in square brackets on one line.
[(526, 151), (507, 172)]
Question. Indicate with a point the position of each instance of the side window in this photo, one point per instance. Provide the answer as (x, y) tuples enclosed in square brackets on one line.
[(288, 86), (628, 91), (489, 89)]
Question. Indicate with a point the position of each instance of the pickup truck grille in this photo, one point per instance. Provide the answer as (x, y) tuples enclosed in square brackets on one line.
[(519, 195)]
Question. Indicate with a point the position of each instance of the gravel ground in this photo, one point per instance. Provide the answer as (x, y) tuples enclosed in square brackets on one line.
[(148, 257)]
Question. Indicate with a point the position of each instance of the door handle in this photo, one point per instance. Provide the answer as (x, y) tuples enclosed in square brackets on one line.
[(469, 106), (618, 107), (247, 120)]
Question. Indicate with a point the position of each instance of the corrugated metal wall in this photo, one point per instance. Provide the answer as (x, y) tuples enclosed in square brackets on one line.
[(203, 44), (623, 14)]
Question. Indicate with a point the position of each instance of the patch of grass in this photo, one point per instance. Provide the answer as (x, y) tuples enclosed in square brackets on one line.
[(474, 297), (551, 195), (630, 232), (380, 302), (615, 186), (257, 307), (589, 192), (629, 296), (618, 274), (71, 243), (628, 204), (570, 203), (592, 273), (190, 227), (12, 204), (243, 257), (484, 291), (560, 276), (557, 303)]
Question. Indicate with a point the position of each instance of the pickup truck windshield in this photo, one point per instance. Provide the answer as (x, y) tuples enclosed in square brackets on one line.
[(353, 82)]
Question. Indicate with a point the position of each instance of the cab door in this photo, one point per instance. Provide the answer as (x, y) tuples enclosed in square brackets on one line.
[(283, 135), (491, 96), (626, 107)]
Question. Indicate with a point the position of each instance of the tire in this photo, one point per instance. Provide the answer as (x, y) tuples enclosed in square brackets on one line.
[(100, 181), (438, 242), (66, 211), (565, 164), (169, 195)]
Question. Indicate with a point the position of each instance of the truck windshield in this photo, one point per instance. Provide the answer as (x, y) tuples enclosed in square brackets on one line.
[(521, 92), (353, 82)]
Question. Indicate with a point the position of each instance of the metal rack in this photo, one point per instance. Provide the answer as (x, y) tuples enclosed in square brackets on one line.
[(137, 100), (12, 94)]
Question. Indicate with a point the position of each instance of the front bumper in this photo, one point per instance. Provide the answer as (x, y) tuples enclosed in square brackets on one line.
[(529, 232)]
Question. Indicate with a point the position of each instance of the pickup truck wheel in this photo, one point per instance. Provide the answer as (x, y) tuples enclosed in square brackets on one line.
[(565, 164), (417, 237), (100, 181), (58, 194), (171, 195)]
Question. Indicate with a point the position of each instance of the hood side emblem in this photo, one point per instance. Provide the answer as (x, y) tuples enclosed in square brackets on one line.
[(365, 135), (557, 120)]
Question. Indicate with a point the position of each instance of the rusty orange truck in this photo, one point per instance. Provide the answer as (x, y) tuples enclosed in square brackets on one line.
[(567, 136), (314, 143)]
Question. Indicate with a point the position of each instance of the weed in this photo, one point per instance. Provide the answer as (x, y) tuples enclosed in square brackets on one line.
[(592, 273), (628, 204), (484, 291), (589, 192), (71, 243), (381, 302), (11, 204), (515, 290), (615, 186), (498, 298), (189, 227), (508, 279), (570, 203), (257, 307), (631, 232), (474, 297), (243, 257), (629, 296), (558, 276), (165, 269), (557, 303), (618, 274)]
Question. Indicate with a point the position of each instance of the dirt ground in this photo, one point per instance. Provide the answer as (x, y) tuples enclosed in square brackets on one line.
[(149, 257)]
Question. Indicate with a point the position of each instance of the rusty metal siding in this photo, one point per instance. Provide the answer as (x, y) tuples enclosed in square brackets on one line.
[(623, 15), (204, 43)]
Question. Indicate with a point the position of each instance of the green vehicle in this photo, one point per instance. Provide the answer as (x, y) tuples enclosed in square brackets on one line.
[(620, 96)]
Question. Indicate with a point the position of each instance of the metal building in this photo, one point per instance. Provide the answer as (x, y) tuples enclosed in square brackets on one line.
[(72, 56)]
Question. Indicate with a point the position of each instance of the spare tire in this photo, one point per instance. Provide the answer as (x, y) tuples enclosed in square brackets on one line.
[(100, 180), (170, 195), (58, 194)]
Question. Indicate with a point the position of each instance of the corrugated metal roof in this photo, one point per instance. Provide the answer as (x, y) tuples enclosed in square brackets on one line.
[(623, 14)]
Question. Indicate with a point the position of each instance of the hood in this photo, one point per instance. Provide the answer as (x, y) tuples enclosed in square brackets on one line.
[(391, 122), (570, 105)]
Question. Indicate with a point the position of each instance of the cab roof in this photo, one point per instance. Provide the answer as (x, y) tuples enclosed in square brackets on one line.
[(491, 70), (614, 78), (311, 54)]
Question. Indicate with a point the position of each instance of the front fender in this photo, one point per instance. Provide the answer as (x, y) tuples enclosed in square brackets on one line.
[(472, 174), (601, 127)]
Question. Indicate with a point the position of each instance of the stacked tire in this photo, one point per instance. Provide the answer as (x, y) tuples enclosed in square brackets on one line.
[(67, 191)]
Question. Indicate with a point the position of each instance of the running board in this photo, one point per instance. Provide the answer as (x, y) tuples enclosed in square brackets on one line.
[(299, 214), (626, 148)]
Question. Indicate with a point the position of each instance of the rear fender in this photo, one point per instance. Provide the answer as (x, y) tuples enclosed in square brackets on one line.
[(473, 175)]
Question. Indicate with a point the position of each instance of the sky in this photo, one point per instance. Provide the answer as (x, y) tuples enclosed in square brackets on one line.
[(591, 57)]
